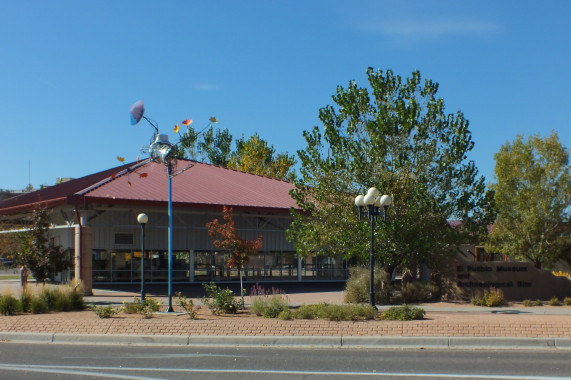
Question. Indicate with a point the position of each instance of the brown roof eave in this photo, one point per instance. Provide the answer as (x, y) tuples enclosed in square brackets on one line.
[(84, 200), (32, 206)]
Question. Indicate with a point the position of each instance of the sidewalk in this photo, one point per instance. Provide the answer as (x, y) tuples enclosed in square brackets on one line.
[(445, 326)]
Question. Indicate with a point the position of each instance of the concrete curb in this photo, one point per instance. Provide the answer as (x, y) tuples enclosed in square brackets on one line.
[(396, 341), (26, 337), (167, 340), (385, 342), (276, 341)]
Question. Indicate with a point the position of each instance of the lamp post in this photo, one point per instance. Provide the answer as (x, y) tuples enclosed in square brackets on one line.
[(369, 205), (142, 219)]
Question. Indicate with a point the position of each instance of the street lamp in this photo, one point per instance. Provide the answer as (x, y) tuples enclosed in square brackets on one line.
[(160, 150), (142, 219), (369, 205)]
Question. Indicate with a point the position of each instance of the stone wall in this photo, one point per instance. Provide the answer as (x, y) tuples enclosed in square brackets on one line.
[(464, 278)]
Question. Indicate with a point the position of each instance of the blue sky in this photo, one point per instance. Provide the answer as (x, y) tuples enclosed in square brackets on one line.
[(70, 71)]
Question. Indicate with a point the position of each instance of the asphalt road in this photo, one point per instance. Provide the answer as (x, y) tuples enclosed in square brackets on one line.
[(43, 361)]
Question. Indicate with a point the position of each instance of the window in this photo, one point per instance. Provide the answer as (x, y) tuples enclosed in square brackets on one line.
[(124, 238)]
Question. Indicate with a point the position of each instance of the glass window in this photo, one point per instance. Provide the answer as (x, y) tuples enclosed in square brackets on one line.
[(203, 266), (308, 268), (254, 269), (181, 266), (121, 261), (289, 266)]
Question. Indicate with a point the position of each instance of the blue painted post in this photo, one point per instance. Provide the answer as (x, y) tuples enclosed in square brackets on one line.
[(170, 309)]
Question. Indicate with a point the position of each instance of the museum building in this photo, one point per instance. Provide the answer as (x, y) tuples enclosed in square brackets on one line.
[(94, 218)]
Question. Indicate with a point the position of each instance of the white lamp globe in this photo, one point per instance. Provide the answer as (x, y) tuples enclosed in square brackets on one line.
[(386, 200), (142, 218)]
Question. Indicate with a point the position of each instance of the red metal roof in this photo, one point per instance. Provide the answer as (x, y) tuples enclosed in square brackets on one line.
[(198, 184)]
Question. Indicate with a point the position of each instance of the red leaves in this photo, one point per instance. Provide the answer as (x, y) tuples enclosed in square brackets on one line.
[(227, 238)]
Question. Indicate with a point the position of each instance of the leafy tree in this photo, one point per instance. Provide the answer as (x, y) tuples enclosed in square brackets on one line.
[(532, 195), (37, 250), (227, 238), (394, 136), (252, 155), (216, 146), (9, 243), (255, 155)]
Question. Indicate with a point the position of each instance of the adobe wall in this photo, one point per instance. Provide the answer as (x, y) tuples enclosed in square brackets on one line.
[(464, 278)]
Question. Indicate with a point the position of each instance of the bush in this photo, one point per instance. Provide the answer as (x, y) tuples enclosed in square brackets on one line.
[(134, 307), (104, 311), (269, 306), (306, 312), (8, 305), (220, 301), (567, 301), (337, 312), (146, 308), (538, 302), (38, 305), (492, 297), (527, 303), (187, 305), (403, 313), (417, 292), (357, 287), (149, 306), (554, 301), (286, 315), (26, 300)]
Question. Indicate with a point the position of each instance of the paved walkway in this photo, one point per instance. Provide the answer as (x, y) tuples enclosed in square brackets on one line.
[(444, 325)]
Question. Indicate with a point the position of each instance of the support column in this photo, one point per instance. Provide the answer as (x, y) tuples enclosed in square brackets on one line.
[(83, 258), (191, 269)]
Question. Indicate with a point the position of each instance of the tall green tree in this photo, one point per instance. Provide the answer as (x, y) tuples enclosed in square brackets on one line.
[(395, 136), (533, 197), (255, 155), (38, 252)]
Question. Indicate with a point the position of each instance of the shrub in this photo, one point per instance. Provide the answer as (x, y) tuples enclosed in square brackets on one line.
[(146, 308), (286, 315), (26, 297), (538, 302), (187, 305), (567, 301), (417, 291), (306, 312), (269, 306), (554, 301), (47, 295), (38, 305), (357, 287), (8, 304), (347, 312), (492, 297), (220, 301), (527, 303), (403, 313), (336, 312), (132, 307), (149, 306), (104, 311)]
